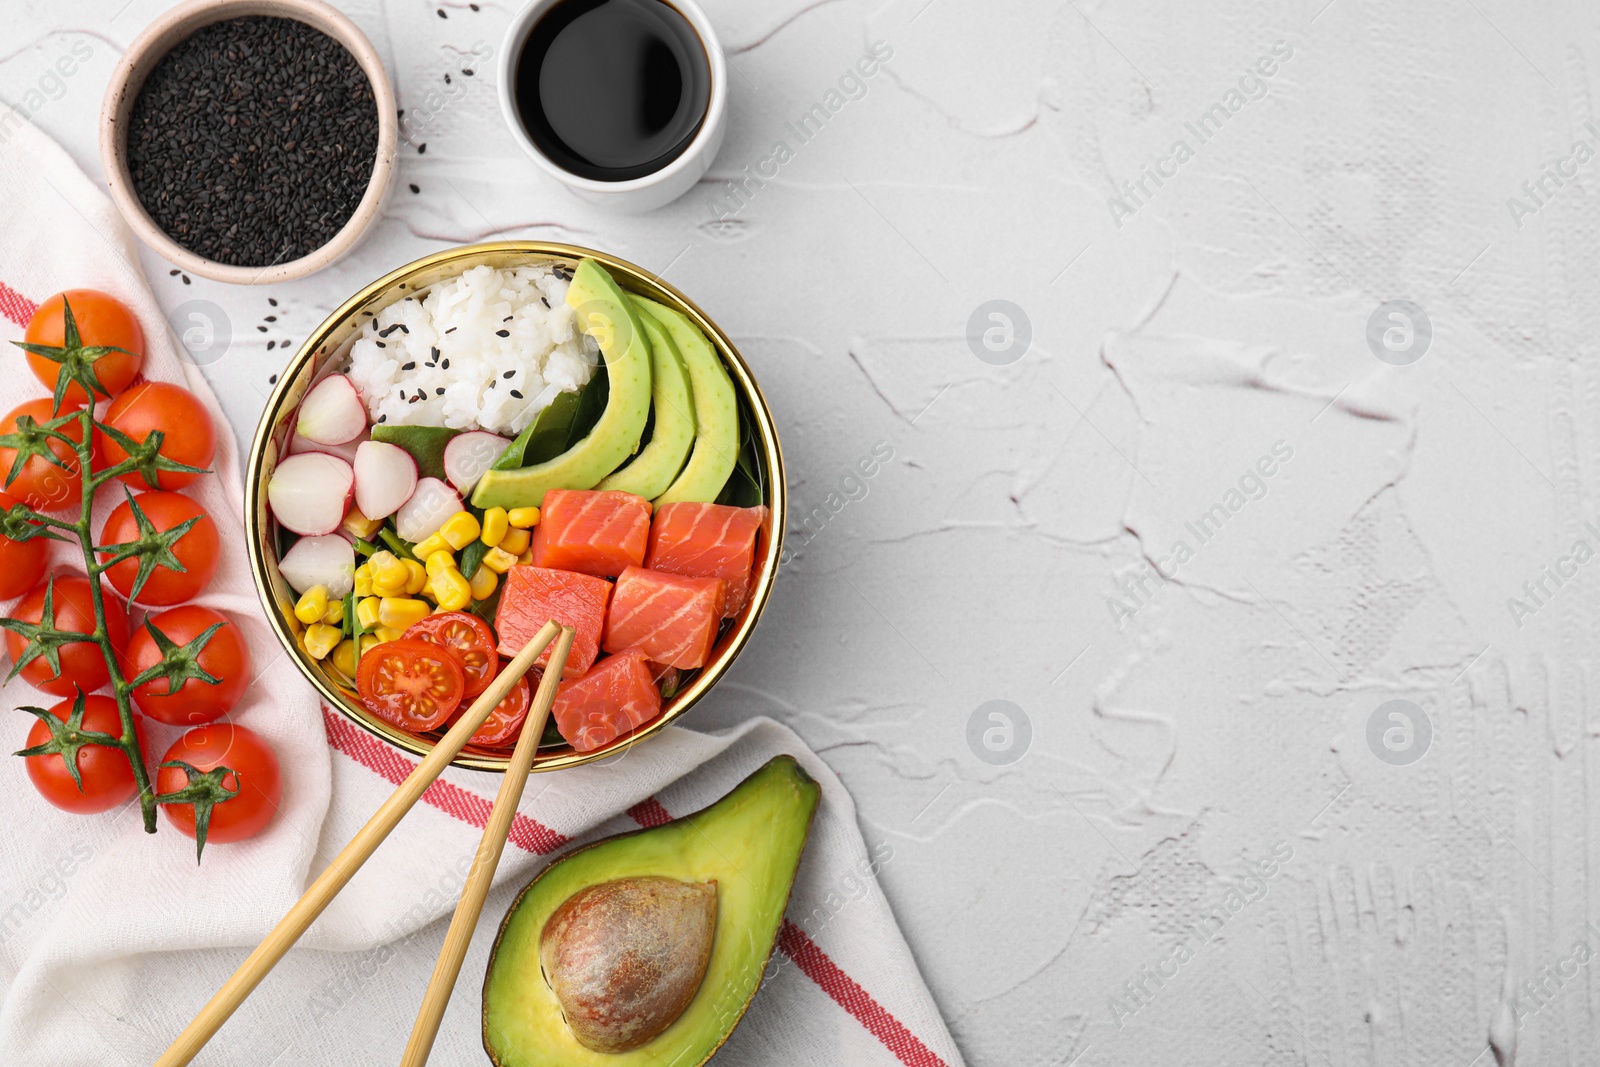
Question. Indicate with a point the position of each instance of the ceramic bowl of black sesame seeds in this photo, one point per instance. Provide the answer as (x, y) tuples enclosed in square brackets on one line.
[(250, 141)]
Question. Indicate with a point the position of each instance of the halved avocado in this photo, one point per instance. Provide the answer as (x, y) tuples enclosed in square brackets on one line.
[(748, 843), (650, 472), (606, 315), (716, 410)]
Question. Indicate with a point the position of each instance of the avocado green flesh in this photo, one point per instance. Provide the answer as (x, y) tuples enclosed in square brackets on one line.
[(749, 842), (716, 447), (604, 313), (658, 463)]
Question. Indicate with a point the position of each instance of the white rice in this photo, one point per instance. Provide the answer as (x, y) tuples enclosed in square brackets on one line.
[(445, 345)]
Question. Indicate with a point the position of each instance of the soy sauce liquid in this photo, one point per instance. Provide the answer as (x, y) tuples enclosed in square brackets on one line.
[(612, 89)]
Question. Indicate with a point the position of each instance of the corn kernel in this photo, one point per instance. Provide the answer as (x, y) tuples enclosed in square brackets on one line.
[(499, 560), (367, 612), (358, 525), (388, 633), (416, 577), (369, 642), (429, 545), (483, 582), (321, 640), (313, 602), (441, 560), (516, 542), (387, 570), (495, 525), (522, 518), (364, 580), (344, 658), (452, 589), (526, 559), (460, 530), (401, 613), (334, 616)]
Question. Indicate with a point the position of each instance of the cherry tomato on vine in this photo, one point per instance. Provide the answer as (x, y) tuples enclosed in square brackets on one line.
[(196, 549), (22, 563), (82, 664), (102, 320), (257, 776), (467, 638), (39, 483), (225, 657), (105, 772), (188, 436), (410, 684)]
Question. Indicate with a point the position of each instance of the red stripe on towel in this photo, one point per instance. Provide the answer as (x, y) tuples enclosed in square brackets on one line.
[(14, 306), (387, 762)]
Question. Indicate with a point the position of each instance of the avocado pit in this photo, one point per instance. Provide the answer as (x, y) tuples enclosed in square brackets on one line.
[(624, 958)]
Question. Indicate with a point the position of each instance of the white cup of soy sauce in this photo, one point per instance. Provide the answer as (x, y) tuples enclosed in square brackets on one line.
[(621, 101)]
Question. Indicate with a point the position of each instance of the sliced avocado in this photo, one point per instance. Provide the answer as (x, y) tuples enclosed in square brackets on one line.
[(425, 443), (748, 843), (658, 463), (606, 315), (716, 444)]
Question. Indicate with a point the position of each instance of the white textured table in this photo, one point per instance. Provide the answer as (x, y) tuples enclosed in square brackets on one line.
[(1093, 875)]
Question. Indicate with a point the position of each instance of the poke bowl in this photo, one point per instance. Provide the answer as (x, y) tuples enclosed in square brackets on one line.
[(539, 402)]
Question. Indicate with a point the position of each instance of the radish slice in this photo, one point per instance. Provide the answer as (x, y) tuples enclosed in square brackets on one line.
[(386, 476), (346, 451), (468, 455), (310, 493), (332, 413), (420, 517), (329, 560)]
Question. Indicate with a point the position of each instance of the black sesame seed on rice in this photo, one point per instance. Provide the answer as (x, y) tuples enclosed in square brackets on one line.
[(404, 366), (439, 391), (502, 333), (516, 394), (445, 365), (509, 374)]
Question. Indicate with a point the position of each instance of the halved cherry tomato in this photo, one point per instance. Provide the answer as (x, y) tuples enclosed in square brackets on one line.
[(41, 484), (256, 775), (410, 684), (102, 320), (467, 638), (82, 664), (197, 549), (187, 434), (107, 777), (505, 721), (22, 563)]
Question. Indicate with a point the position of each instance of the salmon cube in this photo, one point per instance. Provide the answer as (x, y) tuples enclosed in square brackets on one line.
[(598, 533), (533, 596), (671, 618), (707, 541), (617, 696)]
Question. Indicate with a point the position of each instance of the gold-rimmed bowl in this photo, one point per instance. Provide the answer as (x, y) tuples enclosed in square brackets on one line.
[(328, 346)]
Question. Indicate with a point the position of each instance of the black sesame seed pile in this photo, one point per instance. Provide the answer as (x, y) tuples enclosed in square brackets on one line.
[(252, 142)]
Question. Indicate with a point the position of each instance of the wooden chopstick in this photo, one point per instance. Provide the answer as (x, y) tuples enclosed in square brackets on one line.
[(344, 866), (484, 862)]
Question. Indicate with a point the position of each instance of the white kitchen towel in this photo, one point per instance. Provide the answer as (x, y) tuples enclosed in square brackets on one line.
[(111, 939)]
